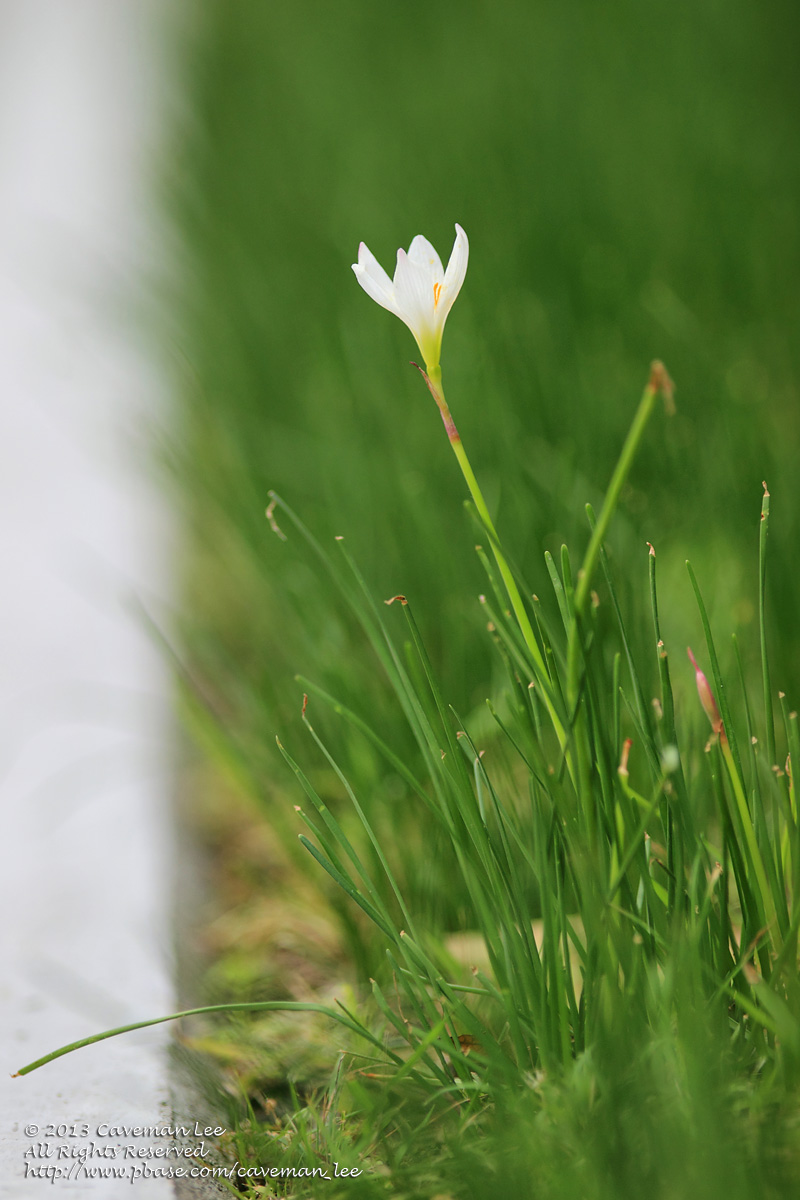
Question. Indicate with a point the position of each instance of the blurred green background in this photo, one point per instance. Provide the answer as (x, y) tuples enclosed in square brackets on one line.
[(628, 176)]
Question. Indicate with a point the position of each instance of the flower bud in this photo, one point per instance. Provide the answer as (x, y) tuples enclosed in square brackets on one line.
[(706, 695)]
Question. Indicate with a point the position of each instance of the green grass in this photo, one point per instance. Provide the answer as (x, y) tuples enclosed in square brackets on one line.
[(627, 175)]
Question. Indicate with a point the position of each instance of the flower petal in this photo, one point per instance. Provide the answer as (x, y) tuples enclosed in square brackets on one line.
[(413, 288), (374, 280), (422, 252), (456, 270)]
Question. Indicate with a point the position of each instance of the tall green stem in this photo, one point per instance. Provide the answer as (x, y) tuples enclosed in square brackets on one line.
[(659, 381), (434, 380)]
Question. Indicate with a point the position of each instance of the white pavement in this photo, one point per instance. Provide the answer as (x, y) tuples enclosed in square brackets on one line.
[(84, 712)]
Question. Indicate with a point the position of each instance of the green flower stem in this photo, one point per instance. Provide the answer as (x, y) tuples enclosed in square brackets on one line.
[(508, 579), (434, 379), (659, 381)]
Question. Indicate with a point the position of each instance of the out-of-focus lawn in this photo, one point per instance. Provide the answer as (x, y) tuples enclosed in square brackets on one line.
[(628, 176)]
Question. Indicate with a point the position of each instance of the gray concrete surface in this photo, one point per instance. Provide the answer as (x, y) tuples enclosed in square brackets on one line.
[(84, 712)]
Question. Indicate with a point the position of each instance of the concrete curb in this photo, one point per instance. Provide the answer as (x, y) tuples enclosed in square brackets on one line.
[(84, 698)]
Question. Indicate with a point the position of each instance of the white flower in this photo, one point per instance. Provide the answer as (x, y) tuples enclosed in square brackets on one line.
[(422, 292)]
